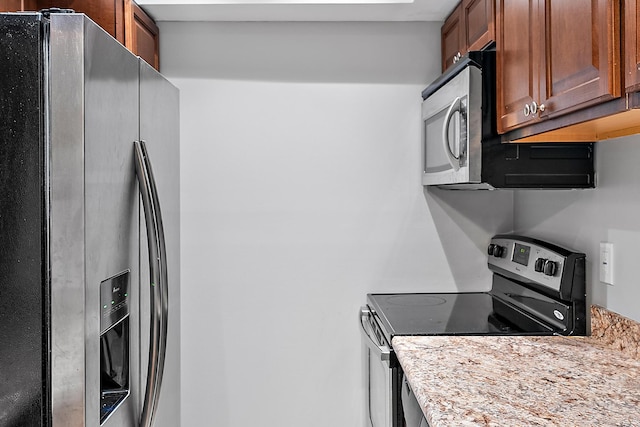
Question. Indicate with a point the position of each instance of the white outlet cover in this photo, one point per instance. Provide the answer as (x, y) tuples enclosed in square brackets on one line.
[(606, 263)]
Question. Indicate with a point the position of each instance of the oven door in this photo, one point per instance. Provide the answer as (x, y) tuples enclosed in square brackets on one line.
[(452, 130), (383, 375)]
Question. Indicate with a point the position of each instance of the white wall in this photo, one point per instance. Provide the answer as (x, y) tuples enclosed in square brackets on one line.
[(301, 193), (583, 218)]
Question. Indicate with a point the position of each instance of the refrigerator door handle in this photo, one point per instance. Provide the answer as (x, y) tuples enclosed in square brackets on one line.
[(164, 282), (159, 284)]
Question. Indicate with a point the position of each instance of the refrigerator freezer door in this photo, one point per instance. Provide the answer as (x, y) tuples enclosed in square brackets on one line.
[(94, 214), (23, 278)]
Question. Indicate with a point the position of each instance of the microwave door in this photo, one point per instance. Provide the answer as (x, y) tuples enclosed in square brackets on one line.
[(452, 130), (445, 145)]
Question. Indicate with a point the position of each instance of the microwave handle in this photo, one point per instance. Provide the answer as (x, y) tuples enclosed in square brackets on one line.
[(454, 160)]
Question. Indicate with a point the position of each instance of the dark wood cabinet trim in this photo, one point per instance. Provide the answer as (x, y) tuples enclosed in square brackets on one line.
[(120, 22), (631, 46)]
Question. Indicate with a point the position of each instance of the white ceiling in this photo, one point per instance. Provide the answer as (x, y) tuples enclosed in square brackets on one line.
[(298, 10)]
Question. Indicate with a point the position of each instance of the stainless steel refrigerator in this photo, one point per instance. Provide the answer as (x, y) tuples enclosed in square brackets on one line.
[(89, 229)]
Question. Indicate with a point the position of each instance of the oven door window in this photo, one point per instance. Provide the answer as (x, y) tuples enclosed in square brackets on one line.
[(435, 157)]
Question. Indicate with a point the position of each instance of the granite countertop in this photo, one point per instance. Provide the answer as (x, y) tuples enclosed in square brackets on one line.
[(528, 381)]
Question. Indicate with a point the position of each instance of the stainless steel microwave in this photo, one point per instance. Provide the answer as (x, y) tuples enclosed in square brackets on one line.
[(462, 150)]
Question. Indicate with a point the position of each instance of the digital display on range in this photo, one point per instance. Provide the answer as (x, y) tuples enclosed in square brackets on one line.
[(521, 254)]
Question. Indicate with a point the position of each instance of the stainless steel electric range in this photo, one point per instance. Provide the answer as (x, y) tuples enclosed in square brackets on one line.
[(538, 288)]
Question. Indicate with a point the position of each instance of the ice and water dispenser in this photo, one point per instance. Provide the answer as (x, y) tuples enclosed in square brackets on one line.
[(114, 343)]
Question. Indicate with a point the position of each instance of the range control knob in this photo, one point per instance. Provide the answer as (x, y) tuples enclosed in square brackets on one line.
[(550, 268), (490, 249), (539, 265), (498, 251)]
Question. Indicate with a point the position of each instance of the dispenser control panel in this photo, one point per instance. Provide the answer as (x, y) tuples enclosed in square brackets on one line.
[(114, 300)]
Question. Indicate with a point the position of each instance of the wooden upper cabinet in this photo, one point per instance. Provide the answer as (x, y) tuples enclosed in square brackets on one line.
[(479, 23), (555, 57), (632, 45), (582, 55), (123, 19), (471, 26), (141, 34), (452, 38), (517, 66)]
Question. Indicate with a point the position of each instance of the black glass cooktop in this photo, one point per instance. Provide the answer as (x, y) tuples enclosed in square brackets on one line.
[(444, 314)]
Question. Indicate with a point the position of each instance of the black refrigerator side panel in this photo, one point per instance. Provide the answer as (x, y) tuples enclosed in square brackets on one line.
[(23, 269)]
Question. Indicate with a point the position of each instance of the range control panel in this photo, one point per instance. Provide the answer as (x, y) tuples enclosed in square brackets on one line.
[(535, 262)]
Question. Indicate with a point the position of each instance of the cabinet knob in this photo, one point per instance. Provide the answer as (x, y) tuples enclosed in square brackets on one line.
[(541, 108), (527, 110), (534, 108)]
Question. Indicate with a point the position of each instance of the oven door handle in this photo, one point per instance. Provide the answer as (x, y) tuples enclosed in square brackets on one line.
[(382, 351)]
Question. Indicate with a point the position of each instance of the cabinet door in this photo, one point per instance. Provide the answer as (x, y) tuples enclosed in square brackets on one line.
[(452, 37), (632, 47), (582, 54), (479, 23), (141, 34), (518, 42)]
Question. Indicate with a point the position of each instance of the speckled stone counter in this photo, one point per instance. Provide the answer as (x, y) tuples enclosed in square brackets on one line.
[(528, 381), (615, 331)]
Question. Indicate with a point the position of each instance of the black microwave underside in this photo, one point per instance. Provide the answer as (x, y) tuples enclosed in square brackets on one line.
[(523, 165)]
